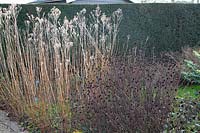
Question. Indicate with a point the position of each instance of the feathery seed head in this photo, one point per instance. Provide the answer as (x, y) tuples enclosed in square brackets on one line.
[(55, 13), (38, 9), (97, 11), (103, 18), (83, 11)]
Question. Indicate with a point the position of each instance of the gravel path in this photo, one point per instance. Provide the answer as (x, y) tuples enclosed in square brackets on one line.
[(8, 126)]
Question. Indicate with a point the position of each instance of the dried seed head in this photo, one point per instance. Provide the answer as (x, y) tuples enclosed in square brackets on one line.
[(92, 57), (103, 18), (96, 26), (38, 9), (69, 44), (55, 13), (57, 45), (83, 11), (67, 61), (97, 11), (27, 22), (75, 19), (4, 10), (40, 20), (66, 22), (118, 13)]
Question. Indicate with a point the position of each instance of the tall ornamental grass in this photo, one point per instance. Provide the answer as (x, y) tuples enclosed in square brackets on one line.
[(44, 66)]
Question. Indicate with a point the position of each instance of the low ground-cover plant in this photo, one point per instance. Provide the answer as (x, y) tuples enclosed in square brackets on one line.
[(129, 97), (191, 68), (193, 91), (185, 116)]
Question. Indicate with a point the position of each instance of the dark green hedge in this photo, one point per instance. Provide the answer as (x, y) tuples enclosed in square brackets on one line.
[(168, 26)]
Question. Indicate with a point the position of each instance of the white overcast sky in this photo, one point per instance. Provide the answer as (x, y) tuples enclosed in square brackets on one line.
[(22, 1), (28, 1), (15, 1)]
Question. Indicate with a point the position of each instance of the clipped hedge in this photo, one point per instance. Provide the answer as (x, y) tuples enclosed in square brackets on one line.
[(165, 26)]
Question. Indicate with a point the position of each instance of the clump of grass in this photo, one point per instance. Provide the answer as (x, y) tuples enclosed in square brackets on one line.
[(44, 67), (35, 68)]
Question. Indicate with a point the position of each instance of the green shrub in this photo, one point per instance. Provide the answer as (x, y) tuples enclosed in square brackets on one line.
[(191, 66)]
